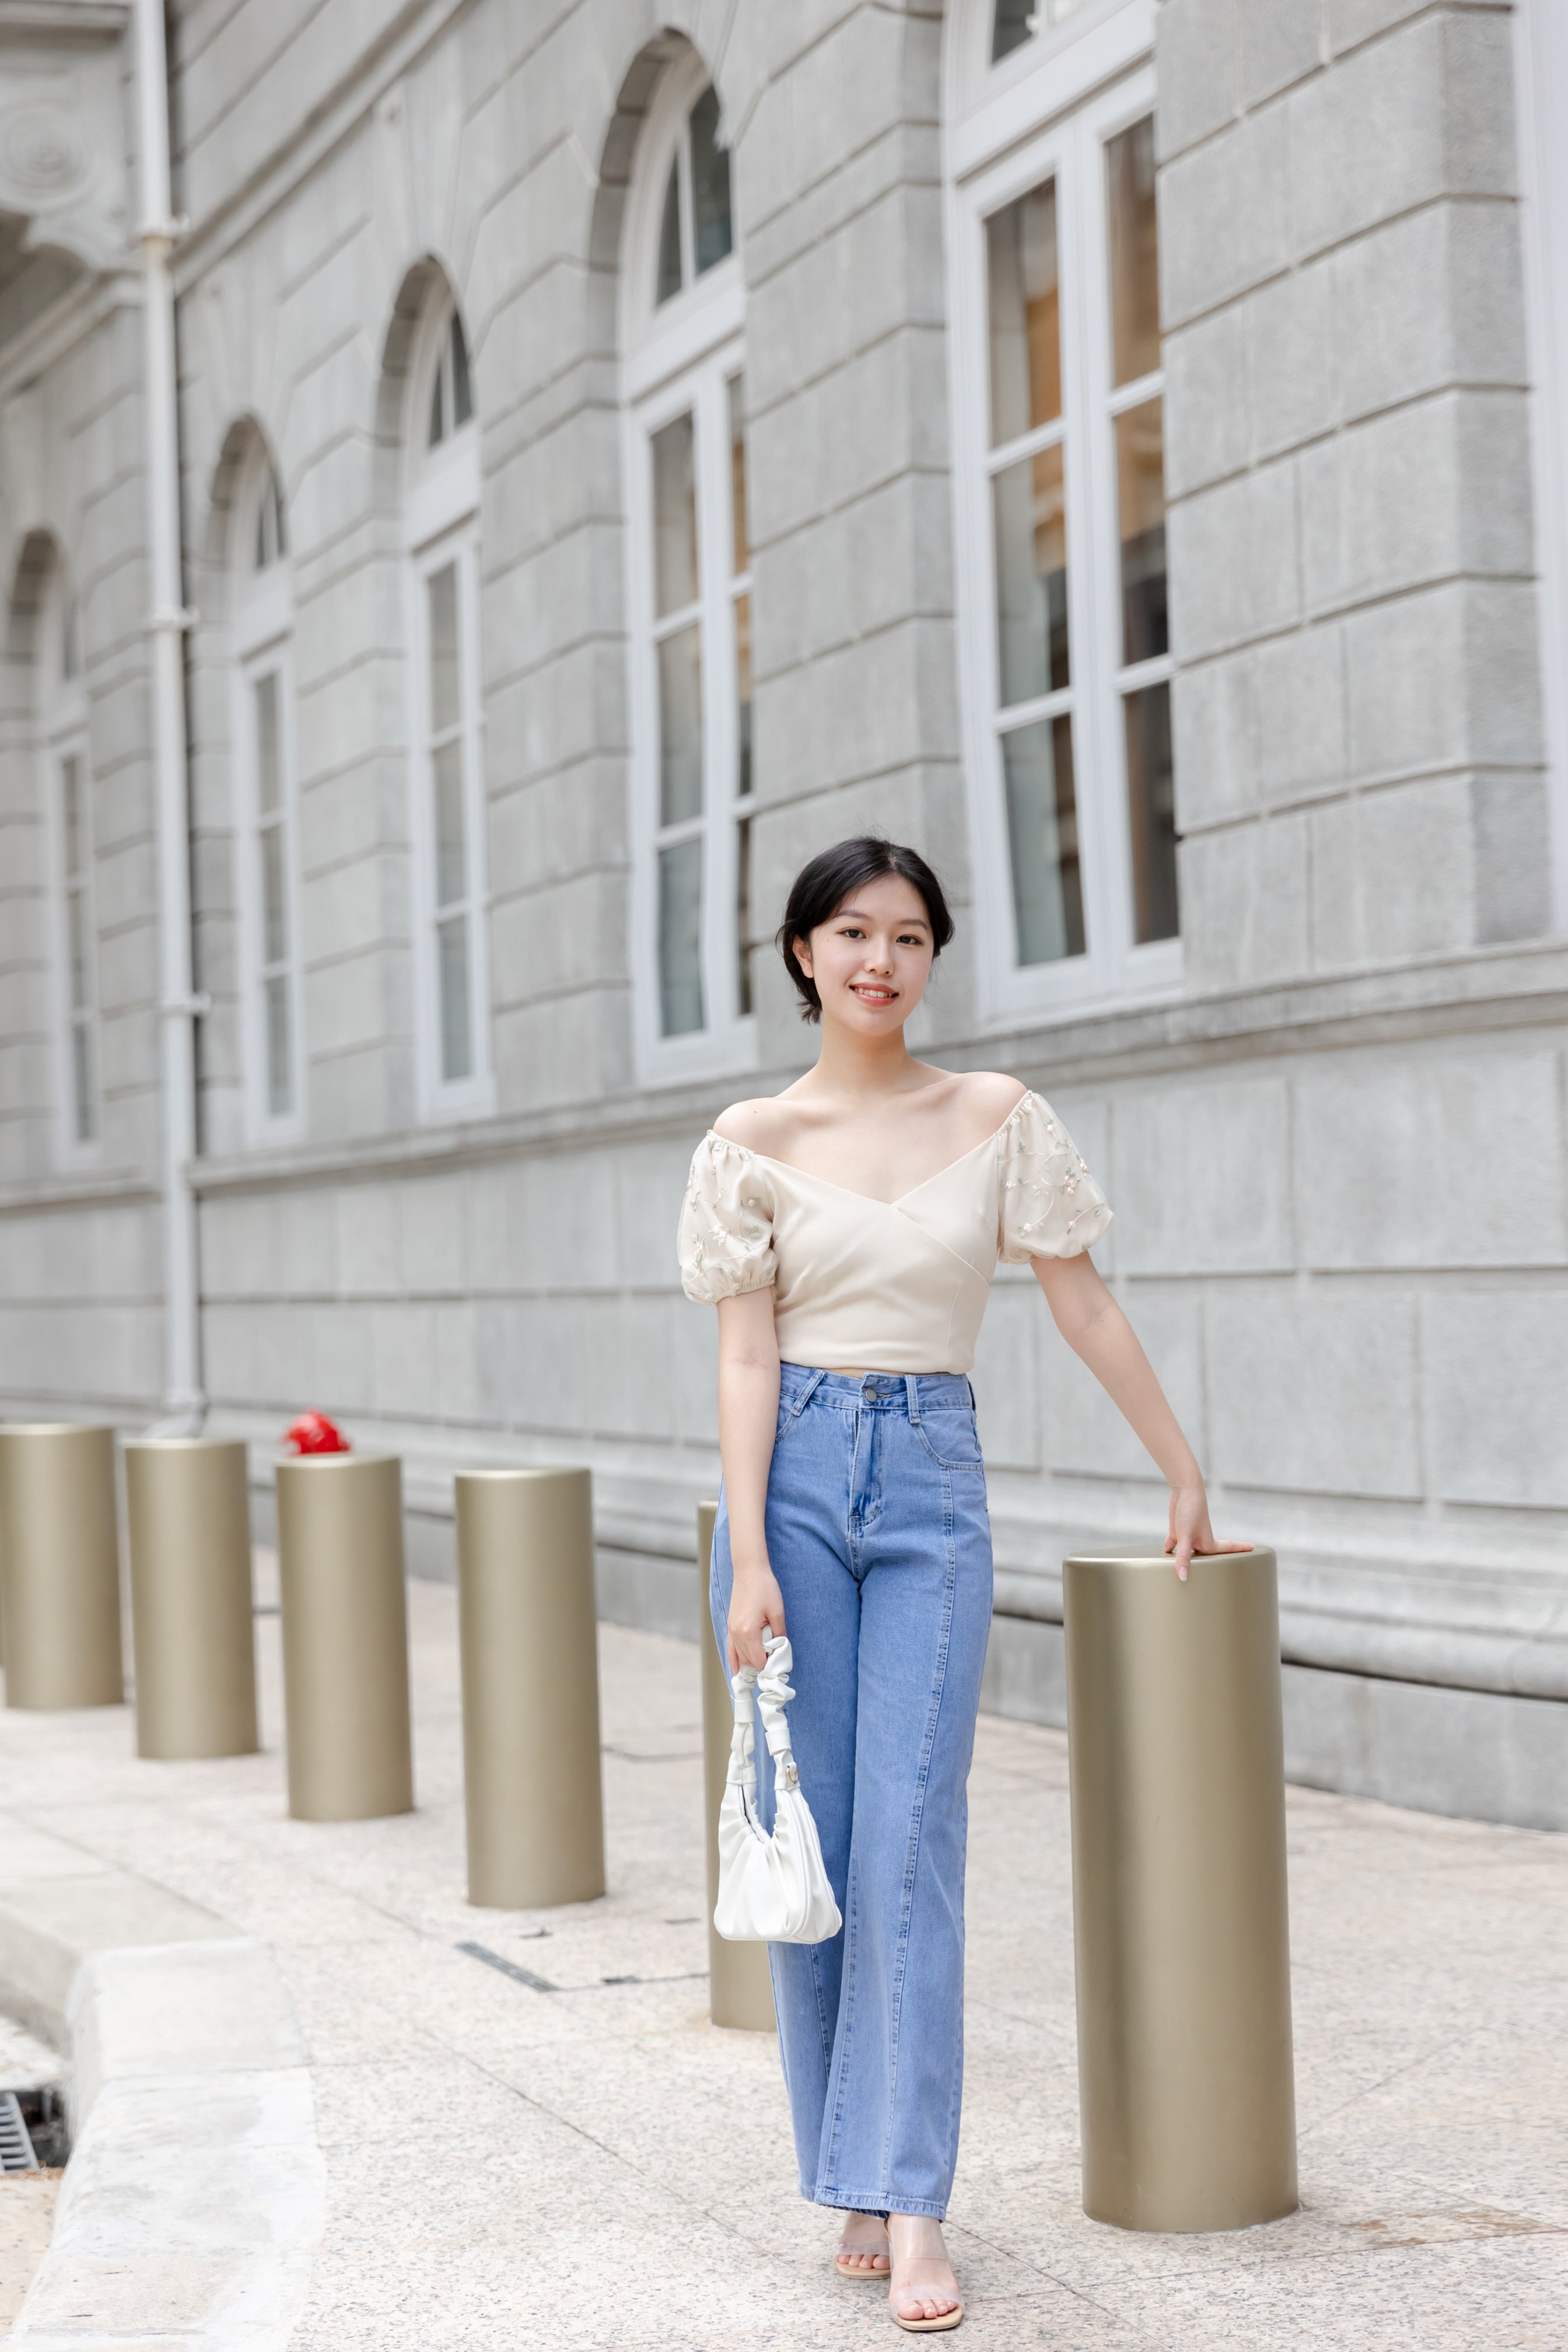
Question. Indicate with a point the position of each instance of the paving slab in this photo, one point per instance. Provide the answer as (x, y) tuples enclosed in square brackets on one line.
[(560, 2151)]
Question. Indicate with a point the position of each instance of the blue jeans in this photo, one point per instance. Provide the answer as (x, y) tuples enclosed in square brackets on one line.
[(878, 1537)]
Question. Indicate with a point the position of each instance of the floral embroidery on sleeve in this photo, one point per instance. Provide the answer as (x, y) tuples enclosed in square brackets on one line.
[(726, 1237), (1050, 1205)]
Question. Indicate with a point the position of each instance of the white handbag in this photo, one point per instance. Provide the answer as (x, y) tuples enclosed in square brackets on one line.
[(772, 1890)]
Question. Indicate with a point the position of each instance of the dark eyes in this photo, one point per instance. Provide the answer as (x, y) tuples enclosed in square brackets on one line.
[(904, 939)]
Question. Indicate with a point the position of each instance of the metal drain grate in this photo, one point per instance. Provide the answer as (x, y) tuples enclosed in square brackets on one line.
[(16, 2140)]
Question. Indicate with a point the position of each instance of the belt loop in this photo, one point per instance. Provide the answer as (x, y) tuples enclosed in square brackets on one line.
[(912, 1391), (973, 1400)]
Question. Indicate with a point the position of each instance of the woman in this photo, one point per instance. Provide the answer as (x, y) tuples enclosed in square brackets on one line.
[(848, 1230)]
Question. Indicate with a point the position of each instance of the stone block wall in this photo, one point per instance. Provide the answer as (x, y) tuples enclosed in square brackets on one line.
[(1357, 713), (1337, 1159)]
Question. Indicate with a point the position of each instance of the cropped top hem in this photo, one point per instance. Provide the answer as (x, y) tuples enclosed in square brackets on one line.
[(886, 1285)]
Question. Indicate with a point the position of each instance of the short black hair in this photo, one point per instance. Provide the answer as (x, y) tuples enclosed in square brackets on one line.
[(825, 881)]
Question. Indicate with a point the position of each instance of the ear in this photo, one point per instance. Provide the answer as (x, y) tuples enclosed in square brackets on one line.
[(801, 950)]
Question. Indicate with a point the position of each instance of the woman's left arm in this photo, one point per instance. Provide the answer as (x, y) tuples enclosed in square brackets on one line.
[(1095, 1327)]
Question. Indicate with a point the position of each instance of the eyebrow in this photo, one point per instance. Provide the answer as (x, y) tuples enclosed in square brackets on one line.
[(909, 923)]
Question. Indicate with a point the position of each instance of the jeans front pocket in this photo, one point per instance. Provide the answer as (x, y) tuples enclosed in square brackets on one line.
[(950, 1436)]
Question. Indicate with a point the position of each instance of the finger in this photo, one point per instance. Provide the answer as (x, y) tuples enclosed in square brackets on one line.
[(1183, 1557)]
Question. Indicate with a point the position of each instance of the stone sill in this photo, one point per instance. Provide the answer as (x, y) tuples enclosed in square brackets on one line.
[(1485, 989)]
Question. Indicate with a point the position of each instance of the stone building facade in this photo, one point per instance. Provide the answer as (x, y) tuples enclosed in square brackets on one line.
[(625, 448)]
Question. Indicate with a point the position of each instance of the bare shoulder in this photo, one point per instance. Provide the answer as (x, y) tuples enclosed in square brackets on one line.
[(761, 1125), (990, 1096)]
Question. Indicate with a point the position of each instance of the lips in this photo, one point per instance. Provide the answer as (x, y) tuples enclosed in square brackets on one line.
[(874, 996)]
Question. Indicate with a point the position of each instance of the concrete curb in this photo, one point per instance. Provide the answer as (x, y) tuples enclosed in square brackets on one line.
[(195, 2195)]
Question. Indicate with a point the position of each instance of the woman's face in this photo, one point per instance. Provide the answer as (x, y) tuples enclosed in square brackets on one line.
[(872, 957)]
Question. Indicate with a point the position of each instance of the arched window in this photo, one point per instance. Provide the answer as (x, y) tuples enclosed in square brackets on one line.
[(441, 540), (690, 588), (68, 789), (267, 832), (1054, 257)]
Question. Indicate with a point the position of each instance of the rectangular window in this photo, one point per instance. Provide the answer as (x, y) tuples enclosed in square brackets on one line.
[(80, 959), (697, 694), (451, 816), (1069, 561)]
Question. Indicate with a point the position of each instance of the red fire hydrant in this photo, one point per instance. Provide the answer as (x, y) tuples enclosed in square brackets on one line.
[(314, 1434)]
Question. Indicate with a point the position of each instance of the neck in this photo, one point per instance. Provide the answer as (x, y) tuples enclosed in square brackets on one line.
[(861, 1067)]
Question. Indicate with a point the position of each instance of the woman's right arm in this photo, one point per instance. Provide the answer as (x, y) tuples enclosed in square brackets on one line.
[(748, 1417)]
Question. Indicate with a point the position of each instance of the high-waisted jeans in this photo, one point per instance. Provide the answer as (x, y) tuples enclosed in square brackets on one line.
[(879, 1535)]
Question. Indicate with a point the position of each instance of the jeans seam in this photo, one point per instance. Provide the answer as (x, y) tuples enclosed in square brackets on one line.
[(846, 2020), (912, 1864)]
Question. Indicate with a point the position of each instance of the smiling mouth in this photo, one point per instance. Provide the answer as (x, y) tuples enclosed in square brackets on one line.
[(871, 993)]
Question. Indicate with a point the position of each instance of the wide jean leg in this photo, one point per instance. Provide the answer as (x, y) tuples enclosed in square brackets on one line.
[(879, 1535)]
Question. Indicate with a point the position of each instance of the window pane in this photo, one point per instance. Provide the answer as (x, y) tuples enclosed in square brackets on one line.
[(1134, 253), (1013, 23), (83, 1105), (446, 703), (1140, 494), (76, 928), (452, 962), (1042, 837), (743, 555), (274, 904), (75, 826), (438, 406), (462, 388), (669, 237), (1152, 812), (743, 696), (70, 641), (1030, 509), (710, 184), (680, 726), (452, 861), (674, 516), (269, 776), (743, 917), (279, 1080), (1025, 327), (680, 938)]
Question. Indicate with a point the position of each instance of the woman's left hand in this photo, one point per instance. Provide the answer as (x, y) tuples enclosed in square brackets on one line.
[(1190, 1531)]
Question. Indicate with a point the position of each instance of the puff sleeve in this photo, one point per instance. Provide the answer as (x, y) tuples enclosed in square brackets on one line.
[(1050, 1206), (726, 1235)]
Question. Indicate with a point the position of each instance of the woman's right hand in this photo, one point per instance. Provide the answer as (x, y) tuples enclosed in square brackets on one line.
[(756, 1607)]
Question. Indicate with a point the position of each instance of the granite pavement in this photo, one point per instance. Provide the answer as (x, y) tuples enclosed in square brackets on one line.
[(593, 2168)]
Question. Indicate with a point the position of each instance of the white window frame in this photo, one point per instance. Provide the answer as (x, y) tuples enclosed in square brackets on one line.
[(261, 634), (1049, 108), (1541, 62), (680, 356), (63, 736), (441, 526)]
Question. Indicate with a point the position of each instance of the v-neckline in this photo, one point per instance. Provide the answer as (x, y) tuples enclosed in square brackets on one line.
[(873, 1200)]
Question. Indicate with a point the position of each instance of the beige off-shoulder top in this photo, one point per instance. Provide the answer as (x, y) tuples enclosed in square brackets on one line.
[(895, 1286)]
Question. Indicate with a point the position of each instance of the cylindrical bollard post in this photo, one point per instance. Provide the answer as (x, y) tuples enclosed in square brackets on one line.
[(532, 1779), (345, 1636), (188, 1510), (59, 1556), (1181, 1930), (739, 1989)]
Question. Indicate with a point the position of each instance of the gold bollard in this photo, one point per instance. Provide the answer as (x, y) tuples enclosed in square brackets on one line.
[(188, 1509), (1180, 1931), (532, 1779), (345, 1636), (60, 1559), (739, 1989)]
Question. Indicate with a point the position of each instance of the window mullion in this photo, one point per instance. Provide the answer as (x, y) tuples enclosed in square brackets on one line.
[(1085, 323)]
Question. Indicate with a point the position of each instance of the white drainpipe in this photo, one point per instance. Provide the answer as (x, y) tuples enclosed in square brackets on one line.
[(178, 1006)]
